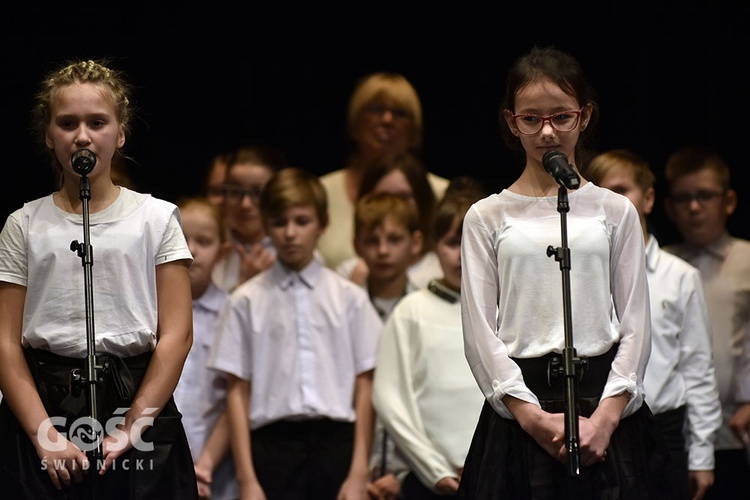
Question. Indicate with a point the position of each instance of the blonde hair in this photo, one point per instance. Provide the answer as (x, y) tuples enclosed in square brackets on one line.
[(386, 85), (620, 160), (201, 202), (110, 81)]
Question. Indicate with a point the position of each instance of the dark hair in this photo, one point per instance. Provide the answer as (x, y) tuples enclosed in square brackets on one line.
[(260, 154), (550, 63), (462, 192)]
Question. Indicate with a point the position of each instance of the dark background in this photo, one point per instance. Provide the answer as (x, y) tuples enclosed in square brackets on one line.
[(211, 77)]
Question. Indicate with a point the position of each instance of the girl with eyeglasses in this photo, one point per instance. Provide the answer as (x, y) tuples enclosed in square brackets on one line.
[(513, 311)]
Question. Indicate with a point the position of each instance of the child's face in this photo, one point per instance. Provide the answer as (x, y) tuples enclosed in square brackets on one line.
[(623, 183), (448, 251), (545, 98), (82, 117), (700, 221), (244, 184), (388, 249), (204, 242), (295, 235)]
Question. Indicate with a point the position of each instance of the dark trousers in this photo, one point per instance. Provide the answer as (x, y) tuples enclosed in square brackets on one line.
[(672, 427), (302, 460)]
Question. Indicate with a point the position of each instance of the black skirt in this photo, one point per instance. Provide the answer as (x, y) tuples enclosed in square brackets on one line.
[(505, 462), (161, 469)]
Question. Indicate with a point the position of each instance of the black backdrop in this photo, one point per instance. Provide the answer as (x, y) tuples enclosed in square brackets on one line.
[(211, 77)]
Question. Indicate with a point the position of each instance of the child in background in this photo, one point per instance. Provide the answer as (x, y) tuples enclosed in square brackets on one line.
[(424, 391), (299, 343), (201, 392), (405, 176), (680, 380), (387, 238), (700, 202), (248, 170), (213, 178)]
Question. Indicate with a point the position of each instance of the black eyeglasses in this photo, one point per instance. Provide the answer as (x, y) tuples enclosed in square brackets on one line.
[(564, 121), (702, 197), (235, 194)]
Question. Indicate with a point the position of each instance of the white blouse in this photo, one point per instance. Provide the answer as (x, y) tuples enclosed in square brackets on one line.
[(511, 291)]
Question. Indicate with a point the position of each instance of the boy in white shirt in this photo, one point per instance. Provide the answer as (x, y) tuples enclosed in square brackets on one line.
[(299, 342), (680, 380)]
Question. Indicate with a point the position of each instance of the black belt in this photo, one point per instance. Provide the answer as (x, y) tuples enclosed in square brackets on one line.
[(545, 378), (118, 379)]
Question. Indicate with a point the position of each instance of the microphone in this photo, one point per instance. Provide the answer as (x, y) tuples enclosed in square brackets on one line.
[(83, 161), (556, 164)]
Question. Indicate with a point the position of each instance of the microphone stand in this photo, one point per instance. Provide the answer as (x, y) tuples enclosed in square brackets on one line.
[(90, 378), (573, 366)]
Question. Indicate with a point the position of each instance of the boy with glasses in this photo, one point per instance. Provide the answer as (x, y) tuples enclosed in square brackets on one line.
[(699, 202)]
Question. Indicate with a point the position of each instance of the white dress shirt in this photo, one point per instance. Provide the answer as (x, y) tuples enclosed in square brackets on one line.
[(725, 269), (201, 392), (681, 370), (301, 339)]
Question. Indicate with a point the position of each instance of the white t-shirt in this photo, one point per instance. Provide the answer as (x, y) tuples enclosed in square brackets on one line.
[(128, 239)]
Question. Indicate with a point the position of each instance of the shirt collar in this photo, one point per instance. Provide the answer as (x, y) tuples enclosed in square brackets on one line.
[(212, 299), (719, 248), (286, 277), (443, 292), (652, 253)]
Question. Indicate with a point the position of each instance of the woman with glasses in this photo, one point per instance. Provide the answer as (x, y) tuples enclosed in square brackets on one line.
[(384, 118), (250, 251), (513, 312), (700, 202)]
